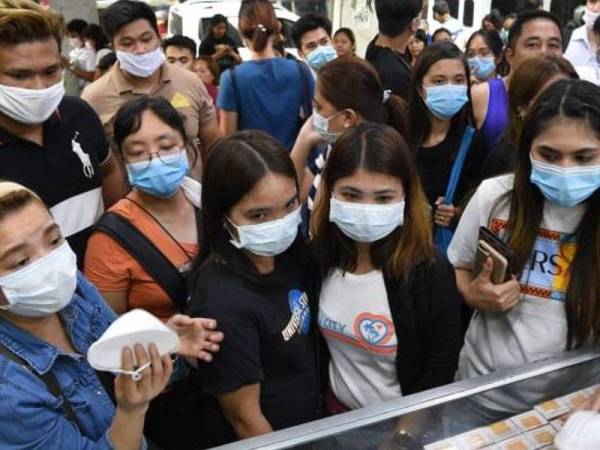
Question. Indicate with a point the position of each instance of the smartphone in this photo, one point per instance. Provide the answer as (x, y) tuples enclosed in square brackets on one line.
[(500, 270)]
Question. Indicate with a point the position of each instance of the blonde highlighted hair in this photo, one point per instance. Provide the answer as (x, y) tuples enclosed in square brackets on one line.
[(380, 149), (25, 21)]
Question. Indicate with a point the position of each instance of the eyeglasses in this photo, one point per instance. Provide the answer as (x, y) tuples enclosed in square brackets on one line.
[(169, 157)]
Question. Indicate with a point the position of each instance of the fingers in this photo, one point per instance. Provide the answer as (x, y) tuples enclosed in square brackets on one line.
[(141, 359), (208, 324), (216, 337), (156, 366), (125, 381), (486, 272)]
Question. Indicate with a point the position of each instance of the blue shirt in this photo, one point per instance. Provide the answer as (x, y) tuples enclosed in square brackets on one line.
[(268, 96), (30, 415)]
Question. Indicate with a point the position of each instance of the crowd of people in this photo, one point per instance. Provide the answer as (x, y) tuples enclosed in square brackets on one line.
[(310, 225)]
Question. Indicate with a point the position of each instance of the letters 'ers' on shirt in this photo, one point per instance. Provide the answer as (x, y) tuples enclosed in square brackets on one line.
[(66, 171), (536, 327), (112, 269), (270, 338), (355, 319), (182, 88)]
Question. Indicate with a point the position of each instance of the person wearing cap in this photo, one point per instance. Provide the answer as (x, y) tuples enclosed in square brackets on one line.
[(142, 70), (49, 316), (51, 143)]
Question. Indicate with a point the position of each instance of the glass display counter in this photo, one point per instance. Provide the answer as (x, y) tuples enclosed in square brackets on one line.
[(455, 416)]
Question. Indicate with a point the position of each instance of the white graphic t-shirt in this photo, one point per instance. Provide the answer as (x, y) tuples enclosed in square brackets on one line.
[(536, 327), (355, 319)]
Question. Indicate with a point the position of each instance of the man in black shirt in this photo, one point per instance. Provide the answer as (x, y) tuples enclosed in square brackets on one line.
[(51, 144), (387, 51)]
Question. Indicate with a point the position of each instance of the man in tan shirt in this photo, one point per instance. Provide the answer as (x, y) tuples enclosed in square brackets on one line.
[(141, 70)]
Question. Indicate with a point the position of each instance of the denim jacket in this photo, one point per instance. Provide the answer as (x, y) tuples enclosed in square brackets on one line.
[(30, 416)]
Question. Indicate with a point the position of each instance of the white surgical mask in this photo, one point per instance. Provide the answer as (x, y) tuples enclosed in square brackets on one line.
[(76, 42), (364, 222), (44, 287), (142, 65), (590, 17), (269, 238), (321, 126), (30, 106)]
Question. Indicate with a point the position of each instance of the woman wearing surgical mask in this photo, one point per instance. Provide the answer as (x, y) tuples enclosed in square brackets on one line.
[(439, 119), (49, 317), (548, 212), (388, 307), (162, 206), (484, 53), (348, 92), (267, 93), (253, 275), (531, 78)]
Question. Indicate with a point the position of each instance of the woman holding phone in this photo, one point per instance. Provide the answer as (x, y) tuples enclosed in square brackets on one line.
[(548, 212)]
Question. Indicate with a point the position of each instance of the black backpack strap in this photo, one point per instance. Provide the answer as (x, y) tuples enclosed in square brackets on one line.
[(152, 260), (50, 382), (306, 94)]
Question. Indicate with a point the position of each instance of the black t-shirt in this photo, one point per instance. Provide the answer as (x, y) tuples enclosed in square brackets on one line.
[(501, 160), (269, 339), (434, 165), (393, 68), (65, 172), (208, 47)]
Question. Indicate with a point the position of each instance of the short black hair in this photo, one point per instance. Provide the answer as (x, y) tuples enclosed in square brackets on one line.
[(395, 16), (441, 7), (106, 62), (125, 12), (76, 26), (440, 31), (180, 41), (517, 27), (96, 34), (308, 23)]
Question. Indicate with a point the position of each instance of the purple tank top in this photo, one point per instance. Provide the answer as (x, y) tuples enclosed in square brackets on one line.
[(496, 121)]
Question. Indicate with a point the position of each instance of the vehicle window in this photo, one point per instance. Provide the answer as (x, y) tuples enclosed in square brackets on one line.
[(286, 30), (175, 24), (469, 12)]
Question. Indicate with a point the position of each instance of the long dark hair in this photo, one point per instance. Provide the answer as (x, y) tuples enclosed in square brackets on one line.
[(258, 22), (377, 148), (574, 99), (235, 165), (354, 84), (419, 120)]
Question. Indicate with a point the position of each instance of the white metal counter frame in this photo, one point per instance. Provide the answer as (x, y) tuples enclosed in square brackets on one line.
[(324, 428)]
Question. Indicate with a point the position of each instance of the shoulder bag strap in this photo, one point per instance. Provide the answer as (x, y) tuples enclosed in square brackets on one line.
[(50, 382), (306, 97), (158, 266), (459, 162), (235, 90)]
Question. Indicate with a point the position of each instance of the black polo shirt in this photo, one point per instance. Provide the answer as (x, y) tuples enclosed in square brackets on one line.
[(65, 171), (393, 68)]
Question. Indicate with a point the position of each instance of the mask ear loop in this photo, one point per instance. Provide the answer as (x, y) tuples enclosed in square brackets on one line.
[(137, 374)]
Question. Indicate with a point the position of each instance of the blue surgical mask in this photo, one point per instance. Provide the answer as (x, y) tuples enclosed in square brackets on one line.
[(321, 126), (565, 186), (364, 222), (484, 66), (162, 177), (269, 238), (447, 100), (321, 56)]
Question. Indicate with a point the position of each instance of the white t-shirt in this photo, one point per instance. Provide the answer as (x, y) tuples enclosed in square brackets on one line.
[(536, 327), (355, 319), (85, 59)]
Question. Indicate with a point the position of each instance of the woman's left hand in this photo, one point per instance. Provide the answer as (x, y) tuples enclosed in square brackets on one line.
[(198, 337), (445, 214)]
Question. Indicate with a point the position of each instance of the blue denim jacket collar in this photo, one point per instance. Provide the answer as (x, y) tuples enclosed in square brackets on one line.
[(39, 354)]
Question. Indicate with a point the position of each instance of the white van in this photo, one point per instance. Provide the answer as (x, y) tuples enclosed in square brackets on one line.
[(192, 19)]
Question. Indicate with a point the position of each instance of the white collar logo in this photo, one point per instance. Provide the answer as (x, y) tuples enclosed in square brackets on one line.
[(86, 162)]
